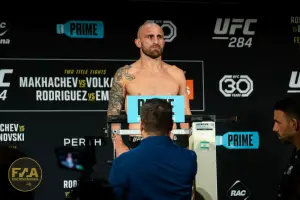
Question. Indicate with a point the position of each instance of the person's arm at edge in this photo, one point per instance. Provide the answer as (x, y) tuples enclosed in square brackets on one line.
[(117, 179), (194, 171), (183, 91)]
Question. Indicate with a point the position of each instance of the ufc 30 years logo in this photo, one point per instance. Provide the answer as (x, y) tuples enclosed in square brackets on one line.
[(236, 86)]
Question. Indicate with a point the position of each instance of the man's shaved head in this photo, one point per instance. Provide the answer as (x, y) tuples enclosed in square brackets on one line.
[(146, 25), (150, 39)]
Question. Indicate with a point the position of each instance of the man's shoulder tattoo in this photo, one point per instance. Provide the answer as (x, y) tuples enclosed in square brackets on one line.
[(124, 72), (116, 95)]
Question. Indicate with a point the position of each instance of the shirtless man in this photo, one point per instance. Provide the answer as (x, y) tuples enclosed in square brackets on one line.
[(147, 76)]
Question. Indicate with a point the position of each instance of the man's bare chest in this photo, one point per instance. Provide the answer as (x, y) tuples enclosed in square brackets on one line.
[(151, 85)]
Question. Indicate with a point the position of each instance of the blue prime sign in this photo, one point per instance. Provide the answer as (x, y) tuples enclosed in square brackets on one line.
[(239, 140), (134, 104), (82, 29)]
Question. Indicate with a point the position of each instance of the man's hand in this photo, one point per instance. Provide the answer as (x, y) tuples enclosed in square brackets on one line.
[(120, 147)]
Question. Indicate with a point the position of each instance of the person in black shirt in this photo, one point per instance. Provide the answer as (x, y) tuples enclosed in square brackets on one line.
[(287, 126), (7, 192)]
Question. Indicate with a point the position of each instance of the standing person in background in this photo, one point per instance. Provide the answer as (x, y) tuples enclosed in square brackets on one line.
[(287, 127), (148, 76)]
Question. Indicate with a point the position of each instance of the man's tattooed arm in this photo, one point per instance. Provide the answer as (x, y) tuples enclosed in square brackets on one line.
[(116, 99), (117, 93)]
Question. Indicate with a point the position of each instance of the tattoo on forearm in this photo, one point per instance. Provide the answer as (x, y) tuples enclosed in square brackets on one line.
[(116, 99), (116, 95)]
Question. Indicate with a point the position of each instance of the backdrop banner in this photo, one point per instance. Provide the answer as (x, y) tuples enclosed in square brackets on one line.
[(56, 74)]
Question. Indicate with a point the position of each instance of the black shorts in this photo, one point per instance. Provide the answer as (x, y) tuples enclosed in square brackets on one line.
[(134, 141), (180, 140)]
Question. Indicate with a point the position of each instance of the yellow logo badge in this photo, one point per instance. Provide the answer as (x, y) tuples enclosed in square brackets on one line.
[(25, 174)]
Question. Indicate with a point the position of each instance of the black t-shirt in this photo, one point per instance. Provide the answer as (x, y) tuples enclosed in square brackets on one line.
[(289, 188)]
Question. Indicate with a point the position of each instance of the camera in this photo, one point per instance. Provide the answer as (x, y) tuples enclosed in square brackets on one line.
[(81, 159), (71, 158)]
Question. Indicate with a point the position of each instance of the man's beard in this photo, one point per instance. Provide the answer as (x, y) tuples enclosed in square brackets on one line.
[(152, 53), (286, 139)]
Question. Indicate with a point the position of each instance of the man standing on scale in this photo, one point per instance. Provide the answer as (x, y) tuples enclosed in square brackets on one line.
[(148, 76)]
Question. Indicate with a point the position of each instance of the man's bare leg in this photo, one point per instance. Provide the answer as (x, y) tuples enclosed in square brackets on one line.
[(194, 191), (120, 147)]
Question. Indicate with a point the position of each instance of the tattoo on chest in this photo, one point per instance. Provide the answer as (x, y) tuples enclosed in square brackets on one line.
[(116, 95)]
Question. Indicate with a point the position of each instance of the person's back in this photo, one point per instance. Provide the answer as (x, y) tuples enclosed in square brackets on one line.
[(157, 168)]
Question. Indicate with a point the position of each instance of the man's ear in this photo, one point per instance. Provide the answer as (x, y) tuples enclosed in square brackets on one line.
[(295, 124), (138, 43)]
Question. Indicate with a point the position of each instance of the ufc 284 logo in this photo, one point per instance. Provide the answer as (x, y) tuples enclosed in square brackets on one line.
[(237, 31), (3, 83), (168, 27), (294, 85), (236, 86)]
